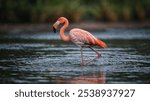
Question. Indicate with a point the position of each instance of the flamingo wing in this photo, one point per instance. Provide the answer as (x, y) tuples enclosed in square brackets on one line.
[(84, 38)]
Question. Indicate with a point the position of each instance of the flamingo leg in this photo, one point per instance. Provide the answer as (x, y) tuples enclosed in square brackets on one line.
[(82, 62), (98, 55)]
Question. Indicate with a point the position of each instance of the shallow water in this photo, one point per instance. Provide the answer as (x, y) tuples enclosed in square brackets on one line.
[(42, 57)]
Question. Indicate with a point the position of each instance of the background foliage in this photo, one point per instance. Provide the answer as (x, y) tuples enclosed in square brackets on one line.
[(41, 11)]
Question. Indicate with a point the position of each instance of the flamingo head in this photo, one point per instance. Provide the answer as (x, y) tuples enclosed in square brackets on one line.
[(59, 21)]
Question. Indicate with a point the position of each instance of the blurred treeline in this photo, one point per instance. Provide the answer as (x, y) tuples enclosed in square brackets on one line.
[(41, 11)]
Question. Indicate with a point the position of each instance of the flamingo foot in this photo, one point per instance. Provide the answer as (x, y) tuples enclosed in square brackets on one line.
[(89, 60), (98, 56), (82, 63)]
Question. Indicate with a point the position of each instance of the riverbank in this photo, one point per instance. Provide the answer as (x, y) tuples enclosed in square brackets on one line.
[(90, 26)]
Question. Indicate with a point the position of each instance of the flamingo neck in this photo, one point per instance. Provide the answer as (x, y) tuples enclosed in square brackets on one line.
[(62, 30)]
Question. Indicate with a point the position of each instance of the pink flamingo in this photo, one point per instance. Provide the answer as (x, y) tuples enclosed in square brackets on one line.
[(80, 37)]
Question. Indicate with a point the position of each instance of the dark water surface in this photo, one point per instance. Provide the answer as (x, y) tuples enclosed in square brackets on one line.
[(43, 58)]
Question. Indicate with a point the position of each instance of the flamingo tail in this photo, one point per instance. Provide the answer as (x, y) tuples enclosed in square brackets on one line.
[(101, 43)]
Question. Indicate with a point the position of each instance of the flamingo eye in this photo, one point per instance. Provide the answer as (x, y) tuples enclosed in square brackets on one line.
[(61, 20)]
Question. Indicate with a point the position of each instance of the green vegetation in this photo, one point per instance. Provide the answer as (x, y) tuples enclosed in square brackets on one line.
[(41, 11)]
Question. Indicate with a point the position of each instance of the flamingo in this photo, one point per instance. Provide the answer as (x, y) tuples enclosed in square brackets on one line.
[(80, 37)]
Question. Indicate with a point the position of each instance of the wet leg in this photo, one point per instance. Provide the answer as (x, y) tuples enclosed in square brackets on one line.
[(82, 61), (97, 53)]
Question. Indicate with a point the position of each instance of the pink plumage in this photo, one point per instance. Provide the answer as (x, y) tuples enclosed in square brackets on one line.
[(84, 38), (80, 37)]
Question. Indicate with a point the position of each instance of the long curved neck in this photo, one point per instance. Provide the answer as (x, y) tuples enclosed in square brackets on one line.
[(62, 30)]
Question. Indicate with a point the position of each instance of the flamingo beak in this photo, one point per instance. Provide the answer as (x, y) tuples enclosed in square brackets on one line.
[(54, 30), (55, 26)]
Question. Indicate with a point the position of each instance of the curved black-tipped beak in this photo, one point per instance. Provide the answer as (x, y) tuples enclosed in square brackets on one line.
[(54, 29)]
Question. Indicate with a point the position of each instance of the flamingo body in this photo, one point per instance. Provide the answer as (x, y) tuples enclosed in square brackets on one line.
[(83, 38), (80, 37)]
